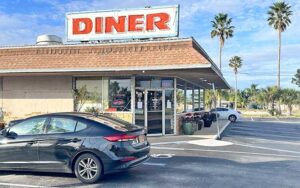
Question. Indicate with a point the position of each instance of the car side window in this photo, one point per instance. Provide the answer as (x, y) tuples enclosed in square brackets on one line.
[(61, 125), (80, 126), (32, 126)]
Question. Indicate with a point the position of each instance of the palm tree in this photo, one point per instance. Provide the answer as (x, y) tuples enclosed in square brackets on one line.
[(279, 18), (223, 29), (271, 95), (289, 97), (296, 78), (235, 64)]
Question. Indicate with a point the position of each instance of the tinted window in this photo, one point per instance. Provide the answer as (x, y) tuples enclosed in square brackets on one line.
[(29, 127), (114, 123), (80, 126), (61, 125)]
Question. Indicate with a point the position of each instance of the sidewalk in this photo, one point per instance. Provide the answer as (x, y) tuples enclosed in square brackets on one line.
[(204, 133), (211, 132)]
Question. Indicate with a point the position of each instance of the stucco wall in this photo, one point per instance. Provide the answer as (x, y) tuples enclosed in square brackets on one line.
[(29, 95)]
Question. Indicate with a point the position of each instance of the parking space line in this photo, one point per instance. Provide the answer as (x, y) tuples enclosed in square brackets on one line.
[(261, 139), (154, 164), (226, 151), (22, 185), (266, 148), (261, 134)]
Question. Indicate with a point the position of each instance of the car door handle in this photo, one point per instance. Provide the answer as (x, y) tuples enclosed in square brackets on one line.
[(32, 142), (75, 140)]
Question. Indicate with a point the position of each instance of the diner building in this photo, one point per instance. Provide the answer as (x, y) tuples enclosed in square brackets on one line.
[(146, 82)]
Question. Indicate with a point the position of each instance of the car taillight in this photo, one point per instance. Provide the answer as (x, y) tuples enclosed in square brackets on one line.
[(120, 138), (126, 159)]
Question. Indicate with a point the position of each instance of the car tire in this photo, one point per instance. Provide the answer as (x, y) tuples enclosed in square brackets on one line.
[(232, 118), (88, 168)]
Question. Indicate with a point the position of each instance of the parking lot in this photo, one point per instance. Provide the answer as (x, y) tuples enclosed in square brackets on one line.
[(251, 154)]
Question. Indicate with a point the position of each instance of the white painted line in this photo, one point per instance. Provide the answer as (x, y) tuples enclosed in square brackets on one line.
[(162, 143), (154, 164), (267, 148), (210, 142), (21, 185), (222, 130), (272, 141), (226, 151), (264, 130), (266, 135)]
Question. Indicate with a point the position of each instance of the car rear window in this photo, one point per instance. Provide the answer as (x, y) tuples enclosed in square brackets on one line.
[(114, 123)]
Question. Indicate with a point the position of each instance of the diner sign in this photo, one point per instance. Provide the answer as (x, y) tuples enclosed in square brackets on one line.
[(152, 22)]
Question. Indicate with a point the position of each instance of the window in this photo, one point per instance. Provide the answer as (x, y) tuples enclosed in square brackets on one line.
[(80, 126), (119, 95), (29, 127), (61, 125), (89, 94)]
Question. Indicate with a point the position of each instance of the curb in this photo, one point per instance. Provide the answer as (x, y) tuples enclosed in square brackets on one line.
[(221, 131)]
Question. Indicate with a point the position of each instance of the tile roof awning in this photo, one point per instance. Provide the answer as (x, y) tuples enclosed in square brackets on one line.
[(182, 58)]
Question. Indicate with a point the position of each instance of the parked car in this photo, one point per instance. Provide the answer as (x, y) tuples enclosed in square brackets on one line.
[(226, 113), (87, 145)]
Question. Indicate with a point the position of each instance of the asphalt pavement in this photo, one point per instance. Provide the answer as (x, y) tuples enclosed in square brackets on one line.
[(251, 154)]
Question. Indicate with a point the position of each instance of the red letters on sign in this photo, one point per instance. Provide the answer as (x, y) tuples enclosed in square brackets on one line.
[(118, 25), (88, 26), (161, 23), (133, 23)]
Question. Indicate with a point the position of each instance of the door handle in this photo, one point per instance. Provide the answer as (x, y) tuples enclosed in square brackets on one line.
[(32, 142), (75, 140)]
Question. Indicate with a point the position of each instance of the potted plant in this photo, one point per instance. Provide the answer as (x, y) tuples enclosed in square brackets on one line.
[(189, 124)]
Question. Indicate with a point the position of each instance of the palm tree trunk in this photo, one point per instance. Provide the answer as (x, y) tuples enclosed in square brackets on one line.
[(235, 98), (220, 55), (279, 56), (278, 71)]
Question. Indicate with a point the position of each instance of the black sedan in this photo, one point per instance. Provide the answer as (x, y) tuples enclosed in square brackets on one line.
[(87, 145)]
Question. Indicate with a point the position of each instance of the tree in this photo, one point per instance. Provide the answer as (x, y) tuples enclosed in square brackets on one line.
[(289, 97), (235, 64), (223, 29), (279, 17), (296, 78), (270, 96), (80, 95)]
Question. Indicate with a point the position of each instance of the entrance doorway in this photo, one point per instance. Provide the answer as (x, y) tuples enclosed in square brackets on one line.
[(154, 110), (154, 104)]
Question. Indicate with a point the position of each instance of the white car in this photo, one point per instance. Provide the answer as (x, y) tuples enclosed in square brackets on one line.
[(225, 113)]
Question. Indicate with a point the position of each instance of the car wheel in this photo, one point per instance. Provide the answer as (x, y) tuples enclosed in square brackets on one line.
[(232, 118), (88, 168)]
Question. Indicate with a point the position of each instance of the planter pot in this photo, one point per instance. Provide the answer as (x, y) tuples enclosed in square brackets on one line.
[(207, 123), (2, 125), (188, 128), (200, 124)]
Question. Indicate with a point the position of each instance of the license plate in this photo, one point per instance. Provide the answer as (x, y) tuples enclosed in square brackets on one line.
[(142, 139)]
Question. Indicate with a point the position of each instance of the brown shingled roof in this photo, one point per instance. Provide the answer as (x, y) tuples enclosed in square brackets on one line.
[(123, 55)]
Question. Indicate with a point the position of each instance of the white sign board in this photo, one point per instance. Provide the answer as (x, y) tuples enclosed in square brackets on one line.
[(123, 24)]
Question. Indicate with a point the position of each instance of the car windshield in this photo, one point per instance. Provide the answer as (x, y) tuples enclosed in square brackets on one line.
[(115, 123)]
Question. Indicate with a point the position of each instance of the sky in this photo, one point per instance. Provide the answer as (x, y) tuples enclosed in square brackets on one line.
[(21, 21)]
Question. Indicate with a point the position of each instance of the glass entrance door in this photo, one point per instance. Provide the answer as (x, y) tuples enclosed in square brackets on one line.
[(154, 104)]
